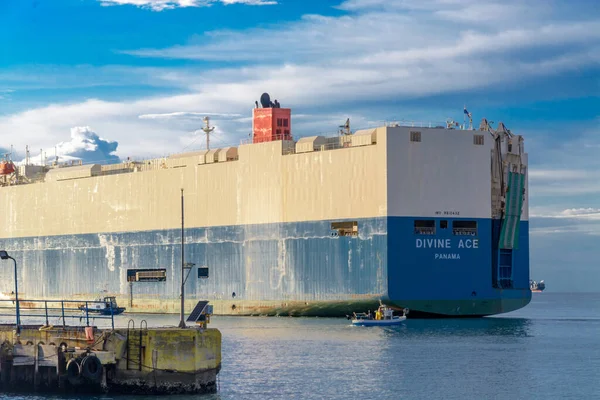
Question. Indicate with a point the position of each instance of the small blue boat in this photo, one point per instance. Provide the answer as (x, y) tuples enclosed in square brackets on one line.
[(384, 316), (106, 306)]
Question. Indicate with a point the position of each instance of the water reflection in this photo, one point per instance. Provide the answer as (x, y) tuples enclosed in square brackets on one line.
[(314, 358), (512, 327), (528, 354)]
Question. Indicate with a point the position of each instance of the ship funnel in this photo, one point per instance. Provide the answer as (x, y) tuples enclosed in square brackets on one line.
[(271, 122)]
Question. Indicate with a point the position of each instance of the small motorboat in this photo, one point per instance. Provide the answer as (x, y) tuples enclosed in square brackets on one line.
[(384, 316), (106, 306)]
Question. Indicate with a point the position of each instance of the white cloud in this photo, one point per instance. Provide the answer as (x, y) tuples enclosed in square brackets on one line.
[(554, 174), (569, 171), (31, 77), (472, 11), (566, 189), (581, 213), (387, 55), (375, 38), (5, 93), (378, 51), (85, 145), (186, 115), (589, 213), (250, 2), (160, 5)]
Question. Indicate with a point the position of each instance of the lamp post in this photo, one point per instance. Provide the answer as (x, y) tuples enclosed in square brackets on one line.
[(189, 267), (184, 266), (182, 322), (4, 256)]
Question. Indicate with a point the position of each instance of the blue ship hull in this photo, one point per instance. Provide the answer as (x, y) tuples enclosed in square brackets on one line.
[(287, 268)]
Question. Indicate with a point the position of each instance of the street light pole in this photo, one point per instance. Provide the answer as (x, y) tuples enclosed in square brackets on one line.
[(181, 321), (184, 266), (4, 256)]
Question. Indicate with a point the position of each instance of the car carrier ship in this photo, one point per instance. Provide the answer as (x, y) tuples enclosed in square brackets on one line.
[(537, 287), (429, 218)]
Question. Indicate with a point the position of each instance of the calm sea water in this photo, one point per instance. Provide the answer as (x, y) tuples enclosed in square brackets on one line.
[(548, 350)]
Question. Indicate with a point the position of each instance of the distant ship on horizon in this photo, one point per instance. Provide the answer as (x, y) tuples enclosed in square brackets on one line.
[(537, 287)]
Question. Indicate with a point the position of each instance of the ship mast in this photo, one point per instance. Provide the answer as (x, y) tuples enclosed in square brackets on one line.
[(345, 129), (207, 130)]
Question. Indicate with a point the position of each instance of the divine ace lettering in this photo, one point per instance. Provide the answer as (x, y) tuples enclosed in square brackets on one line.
[(446, 244)]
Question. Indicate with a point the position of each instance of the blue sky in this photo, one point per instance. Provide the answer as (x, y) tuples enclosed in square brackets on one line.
[(142, 73)]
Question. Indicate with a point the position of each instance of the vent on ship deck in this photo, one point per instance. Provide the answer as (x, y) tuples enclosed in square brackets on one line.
[(415, 136), (464, 228), (146, 275), (424, 227), (478, 140), (344, 228)]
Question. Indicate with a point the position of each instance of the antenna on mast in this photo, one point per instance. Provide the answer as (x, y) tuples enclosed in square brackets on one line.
[(207, 130), (468, 114), (345, 129)]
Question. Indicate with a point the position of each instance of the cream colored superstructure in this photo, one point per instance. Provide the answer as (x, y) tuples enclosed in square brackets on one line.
[(253, 184), (313, 179)]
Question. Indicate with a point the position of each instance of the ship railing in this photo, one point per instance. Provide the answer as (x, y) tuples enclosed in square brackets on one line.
[(414, 124), (51, 309), (333, 143), (273, 138)]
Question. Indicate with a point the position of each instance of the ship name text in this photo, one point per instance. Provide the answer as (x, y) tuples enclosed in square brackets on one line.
[(446, 244)]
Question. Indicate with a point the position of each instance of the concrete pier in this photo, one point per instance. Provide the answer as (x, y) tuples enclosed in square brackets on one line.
[(134, 360)]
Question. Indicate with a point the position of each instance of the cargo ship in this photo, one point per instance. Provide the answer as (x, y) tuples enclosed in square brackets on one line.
[(433, 218), (537, 287)]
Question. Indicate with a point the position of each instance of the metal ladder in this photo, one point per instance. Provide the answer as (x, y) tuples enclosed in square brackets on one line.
[(134, 344)]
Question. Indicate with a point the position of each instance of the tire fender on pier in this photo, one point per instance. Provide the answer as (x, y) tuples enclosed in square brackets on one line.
[(91, 368), (74, 372)]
